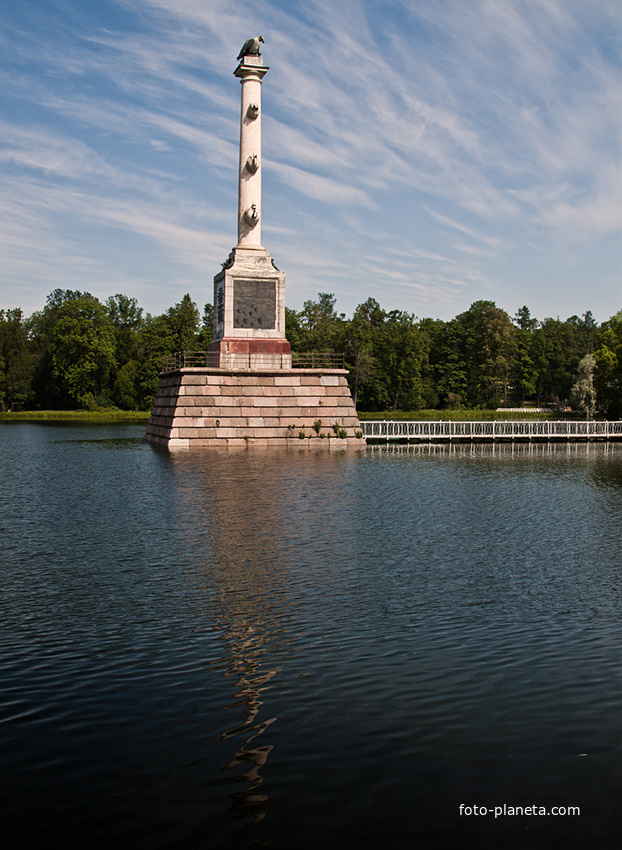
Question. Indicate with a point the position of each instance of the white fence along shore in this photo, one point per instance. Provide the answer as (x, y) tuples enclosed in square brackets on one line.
[(382, 431)]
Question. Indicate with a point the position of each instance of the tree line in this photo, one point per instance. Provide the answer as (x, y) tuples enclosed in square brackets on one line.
[(80, 352)]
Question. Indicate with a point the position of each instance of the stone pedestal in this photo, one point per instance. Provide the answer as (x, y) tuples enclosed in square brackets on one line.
[(203, 407), (249, 312)]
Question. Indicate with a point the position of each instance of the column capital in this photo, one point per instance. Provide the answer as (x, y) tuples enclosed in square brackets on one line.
[(251, 66)]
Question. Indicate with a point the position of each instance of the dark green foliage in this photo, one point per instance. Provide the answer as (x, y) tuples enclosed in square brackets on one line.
[(16, 362), (385, 352), (89, 355), (294, 331), (362, 337), (400, 360), (481, 359), (48, 391), (206, 334), (184, 319), (446, 373), (72, 343), (126, 390), (79, 352), (82, 342), (127, 319), (157, 340), (608, 376), (487, 342), (556, 353), (321, 328)]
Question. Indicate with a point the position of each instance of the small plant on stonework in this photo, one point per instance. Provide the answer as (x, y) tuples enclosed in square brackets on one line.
[(301, 435), (317, 426), (359, 435), (291, 427), (336, 428), (342, 433)]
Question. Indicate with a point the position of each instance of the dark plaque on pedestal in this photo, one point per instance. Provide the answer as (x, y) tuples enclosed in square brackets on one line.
[(254, 304), (220, 305)]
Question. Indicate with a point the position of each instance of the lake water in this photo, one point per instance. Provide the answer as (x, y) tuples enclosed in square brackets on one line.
[(297, 650)]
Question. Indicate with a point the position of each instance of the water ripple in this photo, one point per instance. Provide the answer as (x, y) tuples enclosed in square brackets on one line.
[(291, 649)]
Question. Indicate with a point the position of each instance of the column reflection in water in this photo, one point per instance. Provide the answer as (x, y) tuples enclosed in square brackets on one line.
[(243, 515)]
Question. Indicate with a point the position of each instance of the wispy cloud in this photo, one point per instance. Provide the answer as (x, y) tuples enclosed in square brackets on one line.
[(448, 134)]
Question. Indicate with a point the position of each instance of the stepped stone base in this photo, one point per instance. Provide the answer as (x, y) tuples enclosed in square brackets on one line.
[(202, 407)]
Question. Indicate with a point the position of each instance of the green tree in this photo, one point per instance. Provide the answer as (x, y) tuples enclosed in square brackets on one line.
[(362, 335), (446, 375), (400, 360), (608, 374), (556, 355), (322, 326), (585, 332), (184, 319), (126, 389), (127, 319), (206, 333), (488, 348), (157, 340), (294, 331), (83, 345), (583, 394), (524, 321), (524, 371), (48, 391), (16, 361)]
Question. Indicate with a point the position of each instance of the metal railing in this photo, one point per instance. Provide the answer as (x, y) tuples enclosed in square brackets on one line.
[(447, 431), (188, 359), (318, 360), (216, 360)]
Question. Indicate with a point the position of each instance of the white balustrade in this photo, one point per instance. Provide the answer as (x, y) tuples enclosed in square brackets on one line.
[(380, 430)]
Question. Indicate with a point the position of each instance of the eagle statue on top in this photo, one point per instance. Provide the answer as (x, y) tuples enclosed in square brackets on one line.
[(251, 47)]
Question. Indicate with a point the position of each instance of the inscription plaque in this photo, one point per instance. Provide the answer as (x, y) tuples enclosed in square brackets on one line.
[(220, 305), (254, 304)]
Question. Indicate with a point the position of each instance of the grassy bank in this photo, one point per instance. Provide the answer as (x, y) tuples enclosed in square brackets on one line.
[(114, 415), (464, 415), (75, 415)]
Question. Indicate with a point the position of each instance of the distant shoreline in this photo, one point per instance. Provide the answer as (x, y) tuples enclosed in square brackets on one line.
[(415, 415), (467, 415), (75, 415)]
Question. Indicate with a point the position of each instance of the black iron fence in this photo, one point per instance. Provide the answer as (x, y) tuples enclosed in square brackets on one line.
[(186, 359), (212, 360), (318, 360)]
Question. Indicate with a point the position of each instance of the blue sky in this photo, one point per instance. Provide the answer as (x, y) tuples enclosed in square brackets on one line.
[(427, 153)]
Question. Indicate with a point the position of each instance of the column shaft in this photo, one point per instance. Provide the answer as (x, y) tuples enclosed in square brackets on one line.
[(249, 187)]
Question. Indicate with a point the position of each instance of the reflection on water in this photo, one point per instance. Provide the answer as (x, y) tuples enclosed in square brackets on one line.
[(251, 509), (230, 649)]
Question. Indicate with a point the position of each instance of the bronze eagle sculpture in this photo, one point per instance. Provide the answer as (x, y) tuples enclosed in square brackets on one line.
[(251, 47)]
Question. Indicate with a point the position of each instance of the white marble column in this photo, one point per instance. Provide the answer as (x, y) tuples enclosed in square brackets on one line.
[(251, 71), (249, 292)]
